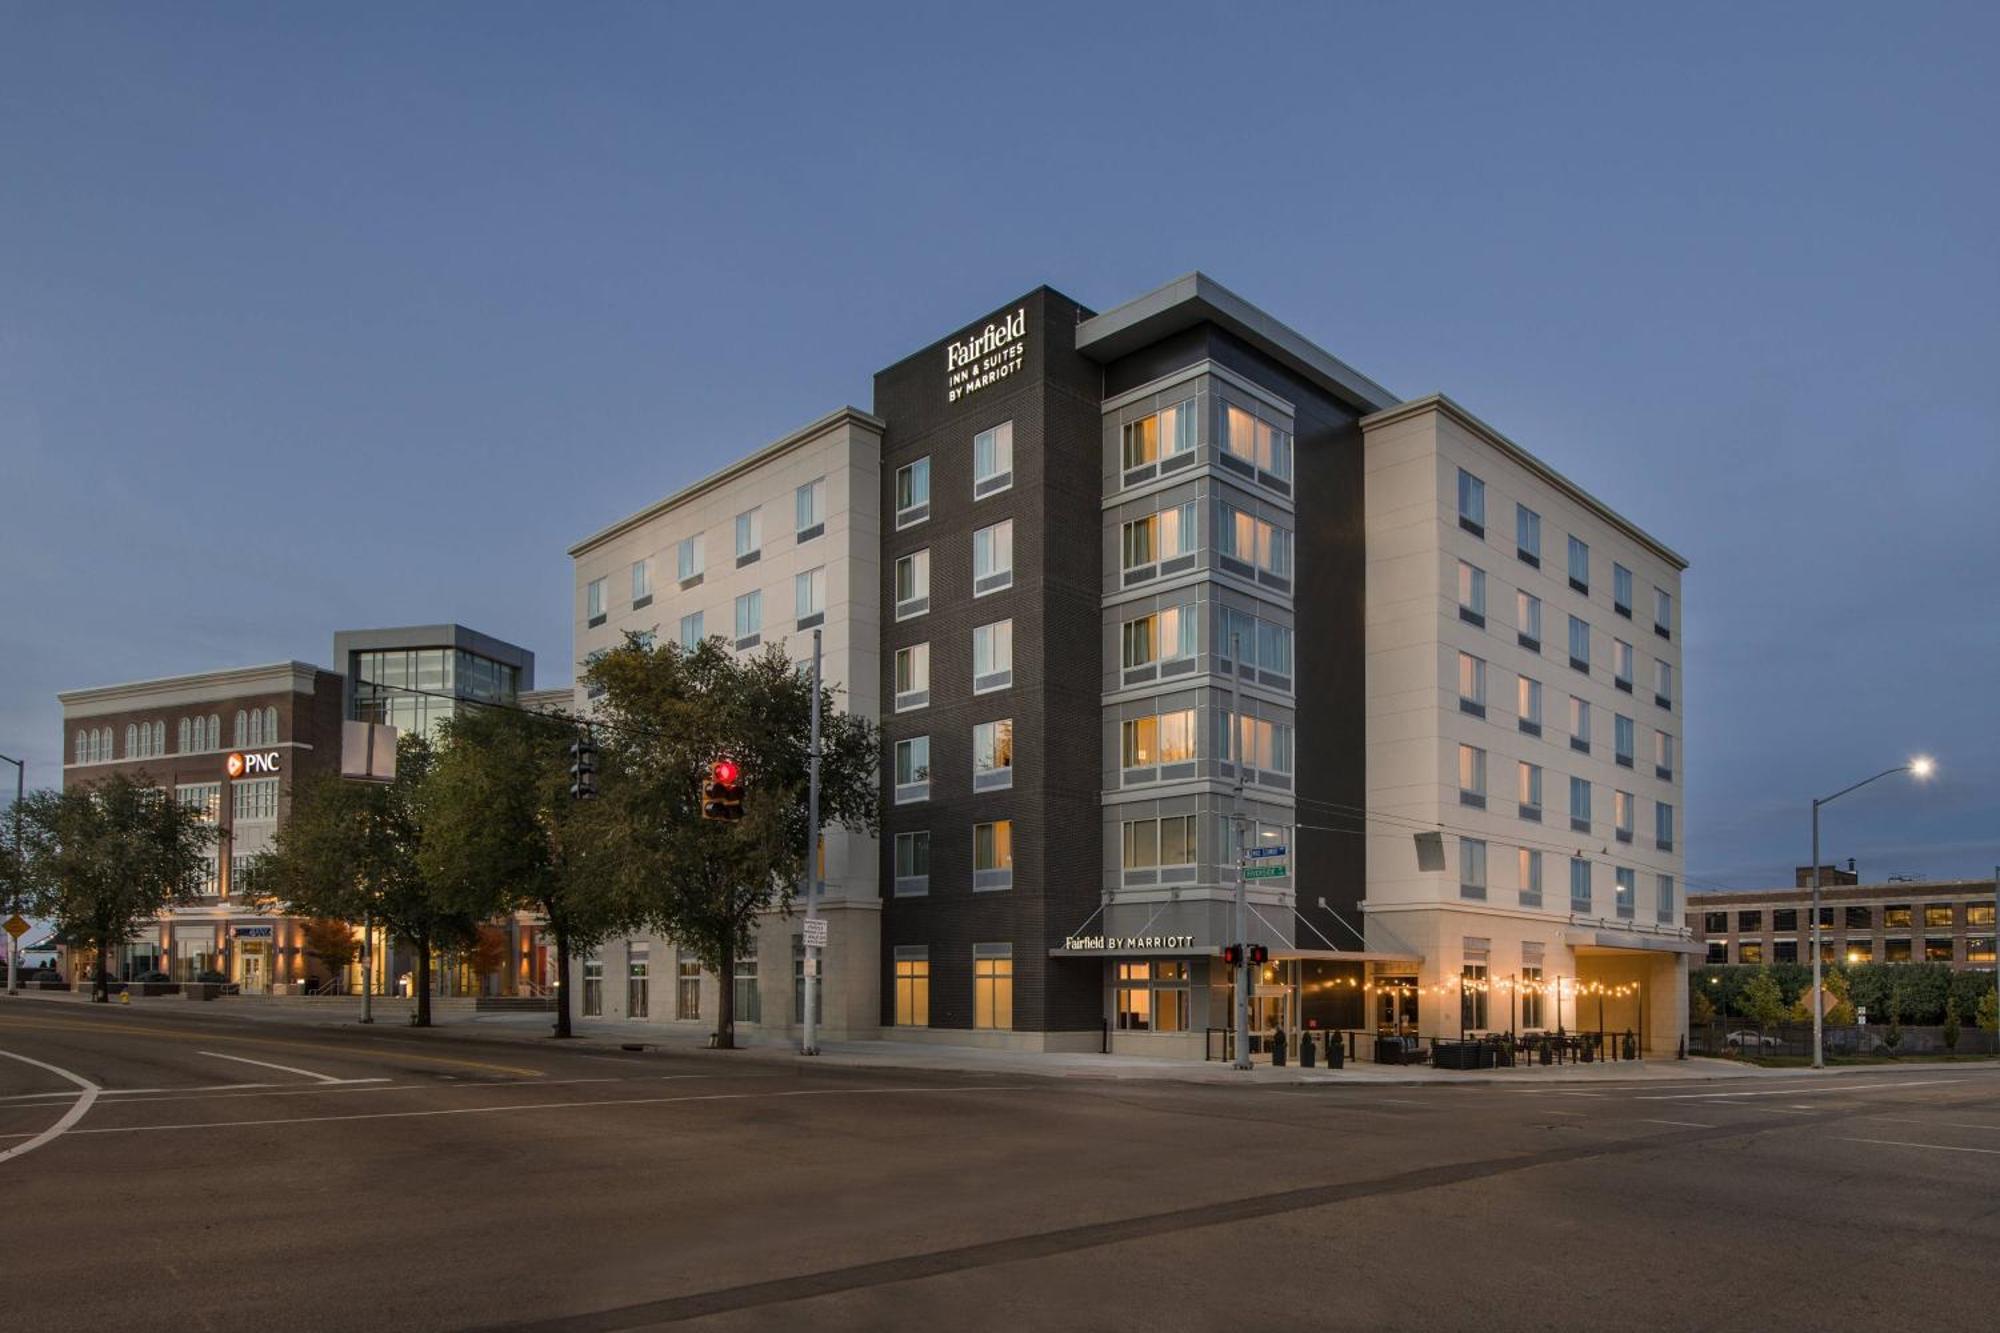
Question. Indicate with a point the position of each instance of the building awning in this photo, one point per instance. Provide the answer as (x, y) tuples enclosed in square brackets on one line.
[(1277, 955), (1632, 941)]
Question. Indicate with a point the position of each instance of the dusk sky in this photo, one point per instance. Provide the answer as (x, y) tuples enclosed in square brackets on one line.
[(318, 317)]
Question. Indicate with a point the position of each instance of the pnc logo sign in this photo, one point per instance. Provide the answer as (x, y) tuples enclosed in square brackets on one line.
[(245, 763)]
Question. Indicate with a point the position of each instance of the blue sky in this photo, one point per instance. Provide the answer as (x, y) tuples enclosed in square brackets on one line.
[(326, 316)]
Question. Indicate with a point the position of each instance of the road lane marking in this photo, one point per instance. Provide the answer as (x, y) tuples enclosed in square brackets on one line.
[(266, 1064), (1941, 1124), (1834, 1090), (1683, 1124), (1938, 1147), (1558, 1111), (377, 1050), (70, 1117), (559, 1106)]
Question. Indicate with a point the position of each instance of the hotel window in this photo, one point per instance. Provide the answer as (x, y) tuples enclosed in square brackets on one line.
[(993, 558), (1937, 950), (1471, 685), (993, 656), (748, 995), (1621, 665), (993, 855), (1243, 640), (913, 584), (913, 864), (1621, 814), (254, 800), (1782, 951), (1979, 914), (1579, 644), (1579, 565), (1528, 535), (1622, 739), (642, 583), (1628, 891), (1782, 918), (1531, 998), (1750, 921), (913, 677), (688, 565), (993, 755), (913, 986), (1663, 831), (593, 988), (1471, 868), (1621, 590), (638, 983), (993, 987), (913, 770), (1663, 613), (1167, 738), (1750, 951), (1266, 746), (913, 493), (1167, 433), (809, 597), (1166, 635), (1471, 594), (1254, 542), (1471, 503), (1937, 916), (749, 535), (993, 460), (1472, 989), (809, 510), (1663, 756), (1579, 725), (1896, 918), (687, 986), (1579, 885), (1858, 918), (1663, 684), (749, 616), (690, 631), (1150, 844), (1152, 997), (1528, 704), (1167, 535), (1528, 621), (1530, 869), (1249, 439), (1472, 776), (1579, 804), (1718, 952), (593, 603), (1530, 793)]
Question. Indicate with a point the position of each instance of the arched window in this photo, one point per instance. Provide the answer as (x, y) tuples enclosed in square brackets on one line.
[(131, 740), (271, 725), (82, 747), (214, 732), (160, 737), (181, 736), (242, 728)]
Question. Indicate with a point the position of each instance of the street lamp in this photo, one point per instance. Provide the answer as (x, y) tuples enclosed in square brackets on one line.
[(1920, 767)]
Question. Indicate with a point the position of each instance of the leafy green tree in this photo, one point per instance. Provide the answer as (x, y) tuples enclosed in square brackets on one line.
[(503, 834), (1762, 1001), (352, 850), (105, 858), (1988, 1013), (1951, 1024), (670, 712), (1701, 1009)]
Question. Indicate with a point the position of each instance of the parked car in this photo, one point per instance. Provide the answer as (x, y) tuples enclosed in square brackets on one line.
[(1748, 1037)]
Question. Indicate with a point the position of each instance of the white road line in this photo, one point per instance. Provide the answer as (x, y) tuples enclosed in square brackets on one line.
[(1558, 1111), (557, 1106), (1939, 1147), (1831, 1090), (266, 1064), (1941, 1124), (69, 1117), (1684, 1124), (1403, 1101)]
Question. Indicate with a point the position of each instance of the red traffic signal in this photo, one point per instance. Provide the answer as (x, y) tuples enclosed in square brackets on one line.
[(1259, 955), (1232, 954), (725, 772), (722, 794)]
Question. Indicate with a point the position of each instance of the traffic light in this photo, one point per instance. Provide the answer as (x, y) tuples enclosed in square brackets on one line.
[(583, 768), (722, 794), (1232, 954), (1259, 955)]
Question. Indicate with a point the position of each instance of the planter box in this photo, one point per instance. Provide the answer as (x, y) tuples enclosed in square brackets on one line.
[(202, 990)]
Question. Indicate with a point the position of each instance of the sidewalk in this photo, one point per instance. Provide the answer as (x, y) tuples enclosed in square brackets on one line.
[(456, 1020)]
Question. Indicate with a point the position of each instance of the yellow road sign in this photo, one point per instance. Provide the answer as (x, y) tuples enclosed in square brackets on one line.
[(16, 927)]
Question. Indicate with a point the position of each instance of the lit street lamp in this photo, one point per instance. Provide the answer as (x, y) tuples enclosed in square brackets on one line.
[(1919, 767)]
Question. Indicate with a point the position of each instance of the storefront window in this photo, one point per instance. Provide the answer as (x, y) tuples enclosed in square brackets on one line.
[(749, 1002), (913, 986), (1472, 998), (638, 980), (1152, 997), (1531, 997), (687, 987), (593, 988), (993, 986)]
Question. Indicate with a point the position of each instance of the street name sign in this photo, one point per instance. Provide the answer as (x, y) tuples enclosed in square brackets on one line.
[(1258, 853), (1265, 872)]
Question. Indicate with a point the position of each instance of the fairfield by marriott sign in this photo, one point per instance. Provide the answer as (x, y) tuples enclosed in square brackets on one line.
[(987, 357)]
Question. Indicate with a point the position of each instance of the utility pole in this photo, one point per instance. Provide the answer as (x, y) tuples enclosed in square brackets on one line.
[(807, 1043), (1235, 733), (14, 878), (367, 967)]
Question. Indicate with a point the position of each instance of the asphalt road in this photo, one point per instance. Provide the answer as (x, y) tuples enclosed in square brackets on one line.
[(217, 1174)]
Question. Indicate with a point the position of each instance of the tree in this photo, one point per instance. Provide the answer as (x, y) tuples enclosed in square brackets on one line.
[(1988, 1013), (1762, 1001), (1701, 1010), (504, 833), (670, 712), (105, 858), (1951, 1028), (331, 941), (351, 851)]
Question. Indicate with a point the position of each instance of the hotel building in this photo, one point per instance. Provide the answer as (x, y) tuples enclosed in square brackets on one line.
[(1135, 572)]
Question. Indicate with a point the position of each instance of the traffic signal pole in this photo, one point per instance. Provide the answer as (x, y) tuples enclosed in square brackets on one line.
[(808, 1045), (1235, 734)]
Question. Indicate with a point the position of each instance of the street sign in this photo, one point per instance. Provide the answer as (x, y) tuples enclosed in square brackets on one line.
[(1265, 872), (17, 927), (814, 932), (1260, 852)]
